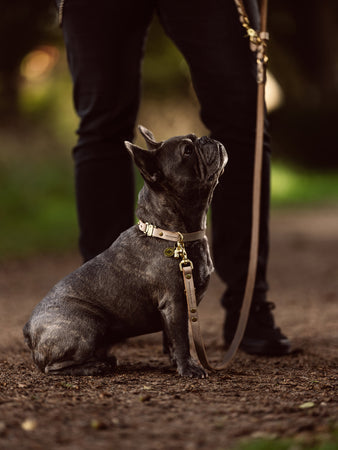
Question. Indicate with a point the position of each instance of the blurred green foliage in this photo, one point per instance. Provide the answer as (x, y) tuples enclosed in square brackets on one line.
[(303, 57), (303, 49), (23, 25), (165, 71), (37, 209), (38, 206), (36, 176), (291, 185), (324, 441)]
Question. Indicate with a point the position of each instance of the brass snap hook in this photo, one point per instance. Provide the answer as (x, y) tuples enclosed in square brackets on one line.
[(180, 237)]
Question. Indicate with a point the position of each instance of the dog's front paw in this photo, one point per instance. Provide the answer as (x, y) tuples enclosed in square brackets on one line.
[(192, 369)]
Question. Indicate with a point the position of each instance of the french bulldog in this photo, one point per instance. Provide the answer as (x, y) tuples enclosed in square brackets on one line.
[(133, 287)]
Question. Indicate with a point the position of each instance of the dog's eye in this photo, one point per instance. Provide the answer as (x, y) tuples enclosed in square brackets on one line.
[(188, 149)]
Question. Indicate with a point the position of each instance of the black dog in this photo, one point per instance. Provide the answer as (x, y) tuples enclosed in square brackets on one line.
[(133, 288)]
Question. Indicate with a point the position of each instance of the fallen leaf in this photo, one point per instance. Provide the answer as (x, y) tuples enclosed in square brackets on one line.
[(29, 424), (263, 435), (307, 405), (145, 397), (2, 428), (98, 424)]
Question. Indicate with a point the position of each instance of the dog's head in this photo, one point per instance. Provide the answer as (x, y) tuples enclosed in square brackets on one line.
[(184, 165)]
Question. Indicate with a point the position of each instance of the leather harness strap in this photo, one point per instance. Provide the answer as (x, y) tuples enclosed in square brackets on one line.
[(258, 45)]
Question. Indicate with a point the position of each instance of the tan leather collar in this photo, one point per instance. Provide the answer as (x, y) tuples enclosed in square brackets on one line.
[(175, 236)]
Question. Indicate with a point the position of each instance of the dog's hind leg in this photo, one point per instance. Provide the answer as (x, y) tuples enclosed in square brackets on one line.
[(74, 346), (54, 360), (90, 367)]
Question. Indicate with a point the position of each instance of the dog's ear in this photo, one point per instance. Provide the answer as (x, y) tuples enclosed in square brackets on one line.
[(146, 162), (149, 138)]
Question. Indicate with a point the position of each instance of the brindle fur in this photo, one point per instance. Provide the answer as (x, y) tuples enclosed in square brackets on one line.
[(132, 288)]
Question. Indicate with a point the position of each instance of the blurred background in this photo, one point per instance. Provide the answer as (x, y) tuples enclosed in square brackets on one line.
[(38, 124)]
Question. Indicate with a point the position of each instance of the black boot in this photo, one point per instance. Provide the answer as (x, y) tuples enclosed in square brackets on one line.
[(261, 336)]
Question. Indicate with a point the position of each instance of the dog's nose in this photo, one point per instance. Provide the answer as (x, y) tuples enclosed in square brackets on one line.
[(204, 140), (192, 137), (209, 148)]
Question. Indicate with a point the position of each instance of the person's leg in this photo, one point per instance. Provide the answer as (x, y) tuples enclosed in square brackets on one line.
[(224, 75), (104, 46)]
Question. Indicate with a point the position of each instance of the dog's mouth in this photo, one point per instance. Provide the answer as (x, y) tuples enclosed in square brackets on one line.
[(212, 158)]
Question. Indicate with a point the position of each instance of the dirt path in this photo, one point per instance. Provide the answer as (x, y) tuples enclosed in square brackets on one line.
[(145, 405)]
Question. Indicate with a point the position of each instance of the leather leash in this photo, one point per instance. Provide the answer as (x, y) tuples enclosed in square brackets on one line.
[(257, 44)]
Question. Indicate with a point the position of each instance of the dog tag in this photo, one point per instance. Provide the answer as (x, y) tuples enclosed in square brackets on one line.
[(169, 252)]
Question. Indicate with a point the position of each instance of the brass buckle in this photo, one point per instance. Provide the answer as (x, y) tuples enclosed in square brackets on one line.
[(186, 262), (149, 229)]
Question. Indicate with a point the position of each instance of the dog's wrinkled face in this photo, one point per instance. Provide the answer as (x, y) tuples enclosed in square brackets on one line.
[(180, 164)]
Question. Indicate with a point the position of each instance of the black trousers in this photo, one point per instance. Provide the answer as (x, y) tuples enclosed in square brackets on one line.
[(105, 44)]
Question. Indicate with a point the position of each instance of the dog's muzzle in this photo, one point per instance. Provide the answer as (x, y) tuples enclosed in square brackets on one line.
[(214, 153)]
